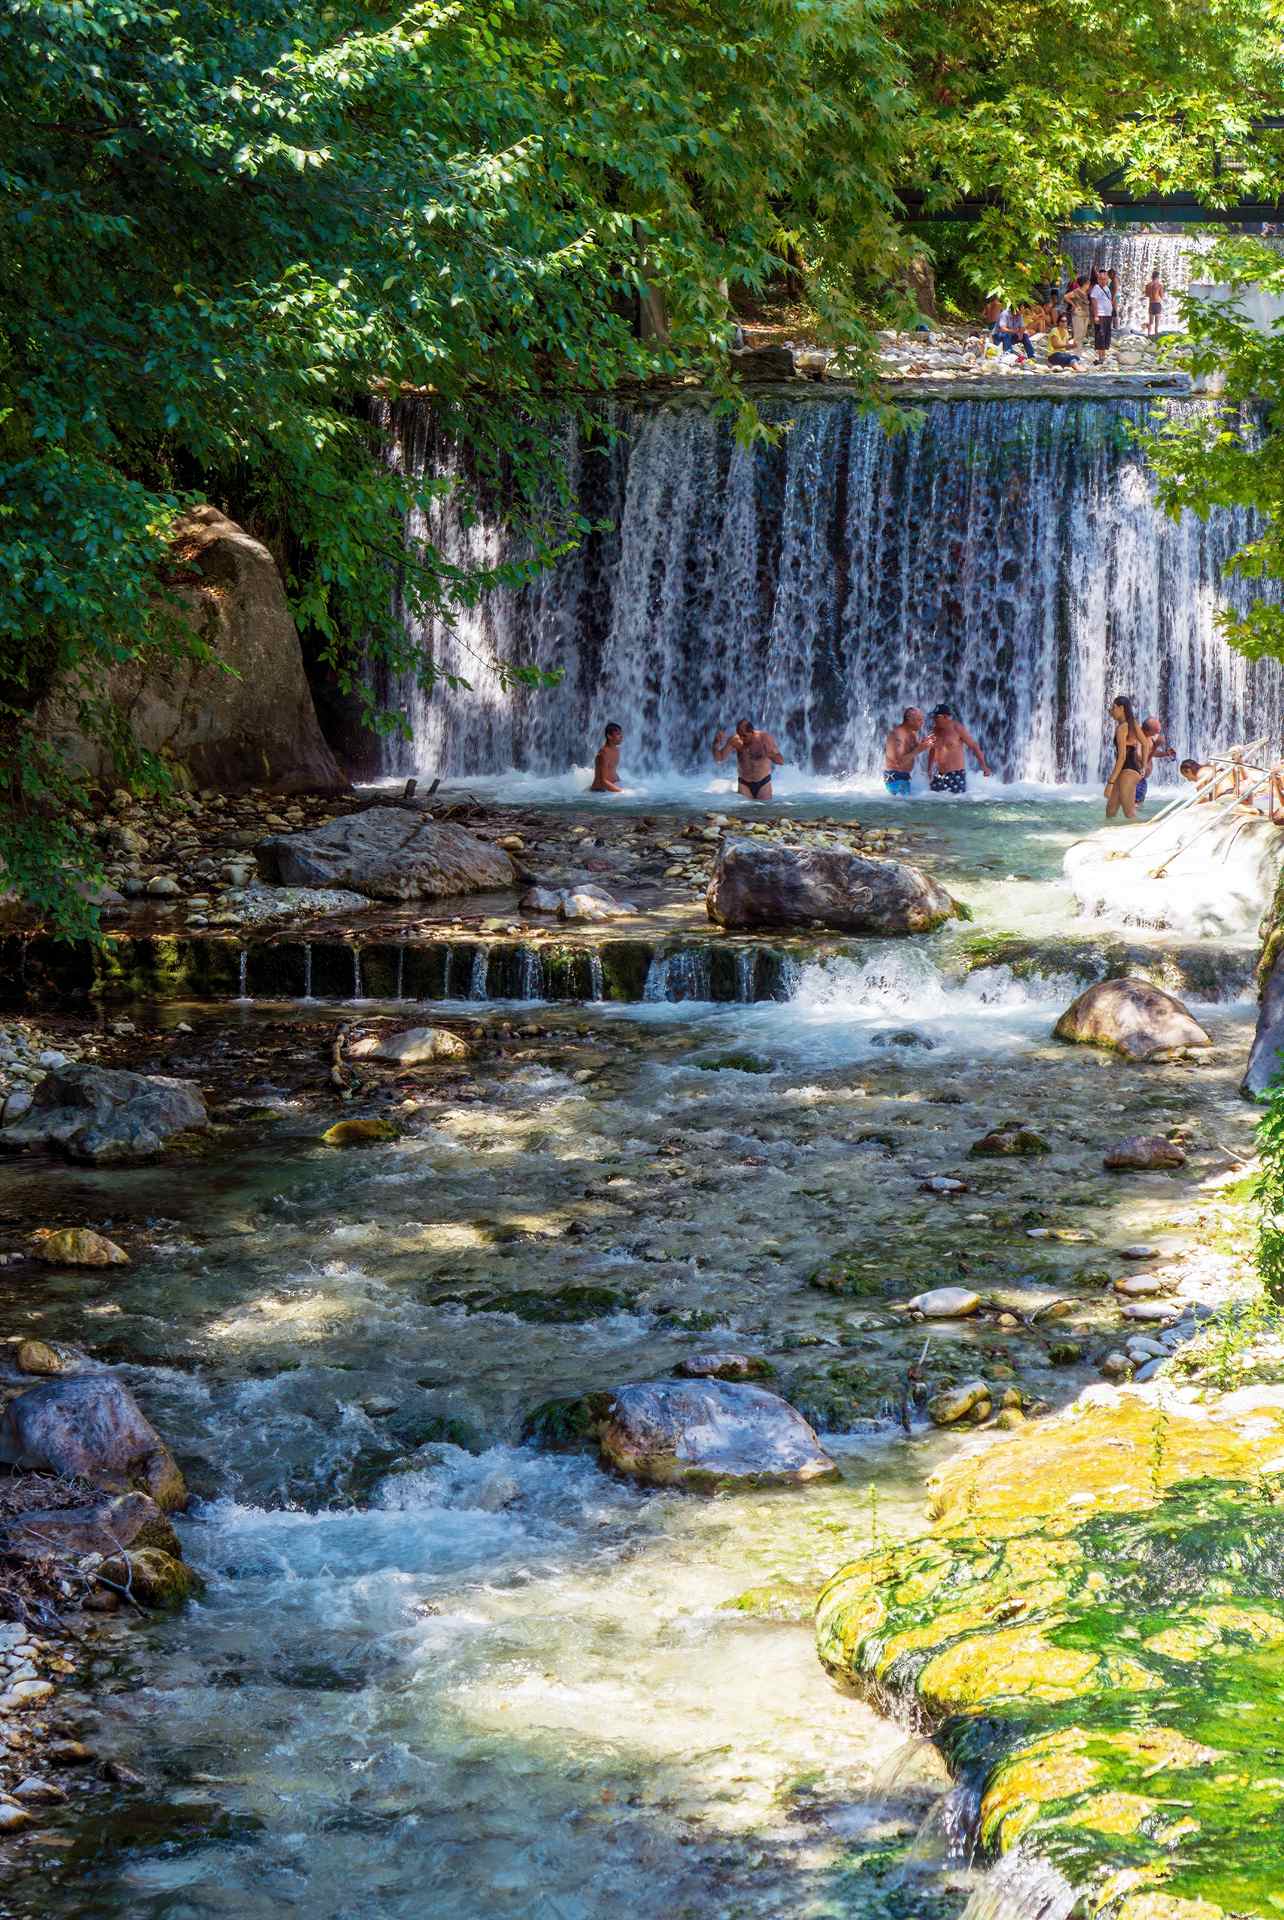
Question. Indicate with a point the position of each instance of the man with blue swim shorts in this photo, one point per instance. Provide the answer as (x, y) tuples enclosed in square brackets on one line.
[(902, 747)]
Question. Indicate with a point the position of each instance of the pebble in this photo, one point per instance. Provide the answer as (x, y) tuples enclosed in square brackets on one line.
[(25, 1694), (38, 1792), (1150, 1369), (1117, 1366), (943, 1183), (1138, 1252), (1151, 1310), (945, 1303), (1139, 1286), (12, 1818), (957, 1403)]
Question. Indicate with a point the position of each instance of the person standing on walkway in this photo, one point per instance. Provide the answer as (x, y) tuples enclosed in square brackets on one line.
[(1103, 313), (1154, 303), (1130, 758), (1077, 304)]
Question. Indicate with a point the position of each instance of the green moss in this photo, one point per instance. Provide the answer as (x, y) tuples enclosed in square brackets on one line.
[(567, 1425), (566, 1306), (736, 1063)]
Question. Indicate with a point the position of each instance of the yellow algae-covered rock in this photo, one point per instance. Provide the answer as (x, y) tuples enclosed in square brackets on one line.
[(78, 1247), (1119, 1813), (358, 1133), (1109, 1454), (1168, 1906)]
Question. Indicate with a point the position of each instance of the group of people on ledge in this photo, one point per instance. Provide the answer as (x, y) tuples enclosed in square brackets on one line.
[(1063, 319), (1232, 778)]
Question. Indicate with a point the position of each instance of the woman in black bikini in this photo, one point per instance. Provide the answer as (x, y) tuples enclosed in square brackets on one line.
[(1130, 760)]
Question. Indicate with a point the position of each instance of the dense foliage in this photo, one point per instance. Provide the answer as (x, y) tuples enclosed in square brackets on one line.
[(222, 226)]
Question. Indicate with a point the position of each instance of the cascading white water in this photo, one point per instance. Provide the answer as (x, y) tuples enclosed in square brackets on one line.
[(478, 979), (683, 975), (1134, 257), (1003, 556)]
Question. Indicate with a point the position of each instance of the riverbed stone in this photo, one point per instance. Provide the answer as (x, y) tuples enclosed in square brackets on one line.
[(363, 1132), (155, 1579), (1014, 1141), (386, 853), (956, 1403), (1144, 1153), (707, 1434), (79, 1247), (105, 1526), (1133, 1018), (105, 1115), (51, 1357), (723, 1366), (758, 883), (945, 1303), (90, 1427), (411, 1046)]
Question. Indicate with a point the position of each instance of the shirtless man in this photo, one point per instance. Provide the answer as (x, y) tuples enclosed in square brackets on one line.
[(1154, 303), (950, 743), (606, 767), (901, 749), (757, 753)]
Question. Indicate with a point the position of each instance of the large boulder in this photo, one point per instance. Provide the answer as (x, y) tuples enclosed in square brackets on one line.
[(1131, 1017), (387, 853), (103, 1114), (254, 726), (707, 1434), (88, 1426), (759, 883)]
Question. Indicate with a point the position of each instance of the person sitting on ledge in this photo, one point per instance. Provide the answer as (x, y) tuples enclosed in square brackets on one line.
[(606, 767), (1011, 330), (757, 753)]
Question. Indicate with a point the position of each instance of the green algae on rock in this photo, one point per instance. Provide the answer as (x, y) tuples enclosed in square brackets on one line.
[(1094, 1634)]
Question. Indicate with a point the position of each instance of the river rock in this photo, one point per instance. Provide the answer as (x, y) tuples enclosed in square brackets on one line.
[(155, 1579), (707, 1434), (1133, 1018), (51, 1357), (760, 883), (103, 1115), (358, 1133), (945, 1303), (106, 1526), (13, 1818), (1144, 1286), (588, 903), (90, 1427), (945, 1409), (1144, 1153), (79, 1247), (36, 1792), (411, 1046), (722, 1366), (540, 900), (1011, 1142), (387, 853)]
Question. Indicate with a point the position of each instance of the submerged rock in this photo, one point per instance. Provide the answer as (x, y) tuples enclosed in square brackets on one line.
[(387, 853), (707, 1434), (1144, 1153), (1009, 1142), (945, 1303), (90, 1427), (1133, 1018), (723, 1366), (103, 1115), (153, 1578), (1266, 1060), (411, 1046), (759, 883), (358, 1133), (79, 1247)]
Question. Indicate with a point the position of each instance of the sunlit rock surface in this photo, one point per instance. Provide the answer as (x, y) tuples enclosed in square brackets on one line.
[(1201, 871)]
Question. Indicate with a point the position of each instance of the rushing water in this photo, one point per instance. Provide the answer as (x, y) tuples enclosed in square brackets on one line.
[(1004, 556), (438, 1672)]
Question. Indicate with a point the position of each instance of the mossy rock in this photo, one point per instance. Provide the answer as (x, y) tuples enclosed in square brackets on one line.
[(152, 1577), (790, 1602), (1094, 1632), (567, 1425), (850, 1278), (736, 1063), (567, 1306), (358, 1133)]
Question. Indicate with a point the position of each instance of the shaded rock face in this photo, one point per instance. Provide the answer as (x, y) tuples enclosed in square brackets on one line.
[(759, 884), (255, 726), (707, 1434), (386, 853), (89, 1427), (103, 1114), (1266, 1061), (1133, 1018)]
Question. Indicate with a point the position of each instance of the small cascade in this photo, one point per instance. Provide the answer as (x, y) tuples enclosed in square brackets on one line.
[(307, 970), (680, 975), (530, 974), (788, 977), (1022, 1887), (746, 974), (478, 979), (243, 974), (358, 990), (597, 990), (399, 992)]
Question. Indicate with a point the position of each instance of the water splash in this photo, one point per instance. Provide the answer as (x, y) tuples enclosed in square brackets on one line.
[(1022, 1887), (1004, 555)]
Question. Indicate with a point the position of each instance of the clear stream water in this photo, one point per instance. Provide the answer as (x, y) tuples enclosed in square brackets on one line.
[(436, 1671)]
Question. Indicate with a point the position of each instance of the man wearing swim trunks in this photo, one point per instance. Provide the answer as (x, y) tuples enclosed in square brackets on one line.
[(756, 753), (950, 743), (900, 750)]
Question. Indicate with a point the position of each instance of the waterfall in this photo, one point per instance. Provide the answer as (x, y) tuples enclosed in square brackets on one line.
[(307, 971), (358, 990), (746, 974), (477, 980), (530, 974), (399, 992), (242, 974), (1134, 257), (684, 975), (1003, 555), (597, 984)]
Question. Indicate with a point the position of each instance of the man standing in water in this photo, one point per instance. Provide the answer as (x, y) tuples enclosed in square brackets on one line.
[(950, 743), (1157, 749), (901, 749), (606, 767), (757, 753)]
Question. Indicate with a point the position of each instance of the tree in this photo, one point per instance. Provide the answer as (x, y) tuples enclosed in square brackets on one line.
[(224, 228), (1231, 453)]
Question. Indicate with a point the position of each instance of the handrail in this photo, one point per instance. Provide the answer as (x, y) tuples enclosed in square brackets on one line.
[(1233, 756), (1232, 800)]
